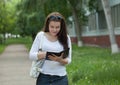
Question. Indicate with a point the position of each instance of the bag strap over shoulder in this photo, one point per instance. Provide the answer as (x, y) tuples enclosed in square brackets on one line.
[(41, 41)]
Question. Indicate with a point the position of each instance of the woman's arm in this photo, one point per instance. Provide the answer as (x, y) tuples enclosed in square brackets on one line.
[(34, 54)]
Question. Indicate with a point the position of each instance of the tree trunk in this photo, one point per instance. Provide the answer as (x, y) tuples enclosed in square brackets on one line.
[(77, 27), (107, 11)]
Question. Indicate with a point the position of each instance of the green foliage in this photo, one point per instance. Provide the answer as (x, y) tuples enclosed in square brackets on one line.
[(29, 5), (30, 18), (93, 5), (7, 16), (57, 5), (74, 3), (78, 6)]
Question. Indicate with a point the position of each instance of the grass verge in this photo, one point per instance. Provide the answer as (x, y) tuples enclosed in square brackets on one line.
[(22, 40), (94, 66)]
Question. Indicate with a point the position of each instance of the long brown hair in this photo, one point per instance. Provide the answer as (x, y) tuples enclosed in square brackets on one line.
[(62, 35)]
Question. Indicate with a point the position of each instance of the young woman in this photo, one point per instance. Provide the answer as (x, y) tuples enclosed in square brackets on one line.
[(55, 39)]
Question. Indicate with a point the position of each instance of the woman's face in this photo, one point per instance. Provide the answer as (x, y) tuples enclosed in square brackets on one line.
[(54, 28)]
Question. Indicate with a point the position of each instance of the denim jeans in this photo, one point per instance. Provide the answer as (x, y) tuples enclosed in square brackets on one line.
[(44, 79)]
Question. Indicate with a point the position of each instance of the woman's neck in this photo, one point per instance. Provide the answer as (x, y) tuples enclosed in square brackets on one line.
[(51, 37)]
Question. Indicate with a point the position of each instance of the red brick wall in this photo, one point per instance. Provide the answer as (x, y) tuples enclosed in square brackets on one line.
[(73, 39), (97, 40), (118, 40), (102, 41)]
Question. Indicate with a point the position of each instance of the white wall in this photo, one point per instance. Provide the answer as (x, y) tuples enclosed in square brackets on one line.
[(114, 2)]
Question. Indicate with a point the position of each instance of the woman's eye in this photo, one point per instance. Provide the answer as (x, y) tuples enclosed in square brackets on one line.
[(52, 26)]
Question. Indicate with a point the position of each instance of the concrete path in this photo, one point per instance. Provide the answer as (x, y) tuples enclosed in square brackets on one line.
[(15, 66)]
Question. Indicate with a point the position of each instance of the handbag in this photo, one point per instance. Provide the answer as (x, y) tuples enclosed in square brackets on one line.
[(36, 66)]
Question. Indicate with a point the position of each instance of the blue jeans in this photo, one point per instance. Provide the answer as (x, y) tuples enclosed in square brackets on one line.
[(44, 79)]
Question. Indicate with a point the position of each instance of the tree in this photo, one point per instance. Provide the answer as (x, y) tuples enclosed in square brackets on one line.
[(63, 6), (7, 21), (2, 19), (78, 13), (30, 19), (73, 4), (32, 14), (107, 10)]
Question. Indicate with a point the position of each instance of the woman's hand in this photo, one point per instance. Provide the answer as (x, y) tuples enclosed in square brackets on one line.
[(58, 59), (41, 55)]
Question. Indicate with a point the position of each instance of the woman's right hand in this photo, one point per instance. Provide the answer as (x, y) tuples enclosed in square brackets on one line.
[(41, 55)]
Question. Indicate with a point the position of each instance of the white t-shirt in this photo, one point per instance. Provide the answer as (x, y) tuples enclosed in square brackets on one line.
[(49, 67)]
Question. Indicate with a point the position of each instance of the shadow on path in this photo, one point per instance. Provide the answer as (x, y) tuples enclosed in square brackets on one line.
[(15, 66)]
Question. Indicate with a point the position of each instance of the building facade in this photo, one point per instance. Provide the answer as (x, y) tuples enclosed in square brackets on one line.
[(96, 33)]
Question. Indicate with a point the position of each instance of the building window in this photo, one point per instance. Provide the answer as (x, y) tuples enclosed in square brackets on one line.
[(115, 12), (102, 20)]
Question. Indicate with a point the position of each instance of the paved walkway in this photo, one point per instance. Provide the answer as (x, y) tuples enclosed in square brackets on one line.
[(15, 66)]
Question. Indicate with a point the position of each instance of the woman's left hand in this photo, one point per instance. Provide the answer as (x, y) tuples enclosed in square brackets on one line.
[(59, 59), (56, 58)]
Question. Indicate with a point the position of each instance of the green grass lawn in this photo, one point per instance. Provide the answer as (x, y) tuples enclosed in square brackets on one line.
[(94, 66), (89, 66), (2, 47)]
